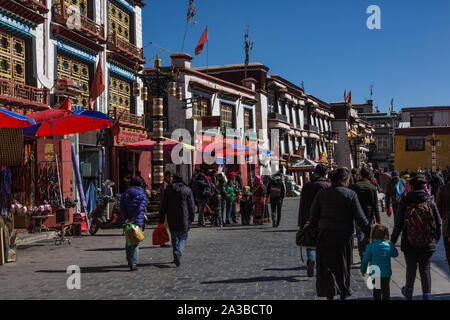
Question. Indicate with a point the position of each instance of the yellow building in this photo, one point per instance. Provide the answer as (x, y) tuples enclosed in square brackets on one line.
[(413, 147)]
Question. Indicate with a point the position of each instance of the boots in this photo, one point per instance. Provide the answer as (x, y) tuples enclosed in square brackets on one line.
[(407, 293)]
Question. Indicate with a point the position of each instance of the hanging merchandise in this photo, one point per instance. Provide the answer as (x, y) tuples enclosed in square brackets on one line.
[(5, 190), (12, 151)]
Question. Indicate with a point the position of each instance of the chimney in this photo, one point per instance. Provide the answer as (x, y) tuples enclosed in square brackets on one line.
[(181, 60), (249, 83)]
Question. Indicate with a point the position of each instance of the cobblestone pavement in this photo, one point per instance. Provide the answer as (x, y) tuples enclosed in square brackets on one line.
[(237, 262)]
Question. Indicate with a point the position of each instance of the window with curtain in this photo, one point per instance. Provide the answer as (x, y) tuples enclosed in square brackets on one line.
[(415, 144), (226, 116)]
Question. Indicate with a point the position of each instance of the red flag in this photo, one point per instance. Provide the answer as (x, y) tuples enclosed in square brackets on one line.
[(98, 86), (66, 105), (203, 40), (345, 95)]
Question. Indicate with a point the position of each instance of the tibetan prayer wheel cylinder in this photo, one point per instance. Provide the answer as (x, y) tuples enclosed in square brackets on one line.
[(158, 109)]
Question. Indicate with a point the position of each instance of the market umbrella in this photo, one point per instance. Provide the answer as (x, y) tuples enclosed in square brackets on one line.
[(62, 121), (148, 145), (9, 119)]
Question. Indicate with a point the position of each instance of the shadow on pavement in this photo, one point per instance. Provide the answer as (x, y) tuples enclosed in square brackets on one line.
[(239, 229), (257, 279), (280, 231), (117, 268), (119, 249), (286, 269)]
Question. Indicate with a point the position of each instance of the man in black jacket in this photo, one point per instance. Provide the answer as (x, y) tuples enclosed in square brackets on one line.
[(179, 206), (307, 196), (277, 191), (368, 199)]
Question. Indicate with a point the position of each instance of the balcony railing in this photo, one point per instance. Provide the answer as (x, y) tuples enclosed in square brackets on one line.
[(40, 5), (87, 26), (118, 43), (21, 94), (126, 117), (311, 127), (277, 116)]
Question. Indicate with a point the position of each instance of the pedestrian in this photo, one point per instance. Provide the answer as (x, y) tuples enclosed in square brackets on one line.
[(420, 225), (132, 206), (384, 179), (201, 189), (216, 208), (126, 181), (443, 204), (168, 178), (141, 180), (276, 191), (368, 199), (221, 188), (229, 189), (307, 196), (179, 207), (333, 213), (394, 192), (378, 253), (246, 206), (354, 177), (259, 200)]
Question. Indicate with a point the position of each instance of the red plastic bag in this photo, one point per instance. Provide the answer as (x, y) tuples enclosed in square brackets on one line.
[(389, 212), (160, 235)]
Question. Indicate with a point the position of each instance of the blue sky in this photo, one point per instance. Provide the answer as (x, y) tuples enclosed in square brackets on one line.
[(324, 43)]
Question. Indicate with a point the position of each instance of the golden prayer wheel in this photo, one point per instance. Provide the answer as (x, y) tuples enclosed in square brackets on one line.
[(158, 109)]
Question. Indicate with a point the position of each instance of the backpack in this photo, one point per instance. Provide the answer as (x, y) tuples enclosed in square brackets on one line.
[(420, 226), (275, 192), (399, 189)]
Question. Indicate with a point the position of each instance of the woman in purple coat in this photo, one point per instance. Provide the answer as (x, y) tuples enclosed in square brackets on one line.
[(132, 206)]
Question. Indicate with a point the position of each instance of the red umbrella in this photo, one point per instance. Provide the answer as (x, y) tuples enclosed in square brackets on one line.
[(148, 145), (9, 119), (62, 121)]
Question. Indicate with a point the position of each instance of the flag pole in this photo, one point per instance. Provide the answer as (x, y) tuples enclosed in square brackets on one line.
[(185, 33), (207, 55)]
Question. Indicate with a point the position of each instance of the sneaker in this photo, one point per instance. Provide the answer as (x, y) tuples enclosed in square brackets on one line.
[(176, 259), (407, 293), (310, 269), (133, 268), (427, 296)]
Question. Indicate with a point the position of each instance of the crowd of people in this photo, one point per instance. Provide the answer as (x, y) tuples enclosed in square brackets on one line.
[(347, 202), (335, 204), (218, 199)]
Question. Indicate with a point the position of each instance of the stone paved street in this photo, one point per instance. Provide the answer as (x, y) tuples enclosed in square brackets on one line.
[(239, 262)]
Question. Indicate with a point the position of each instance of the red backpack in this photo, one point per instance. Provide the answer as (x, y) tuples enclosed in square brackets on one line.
[(420, 226)]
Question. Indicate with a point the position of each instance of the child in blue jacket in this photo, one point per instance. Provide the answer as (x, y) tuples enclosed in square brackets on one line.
[(378, 254)]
